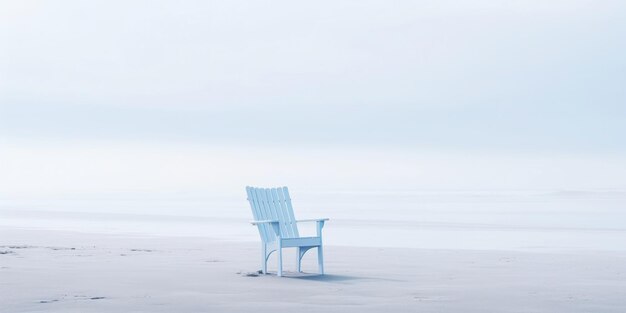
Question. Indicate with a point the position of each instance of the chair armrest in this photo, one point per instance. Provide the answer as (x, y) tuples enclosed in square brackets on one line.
[(263, 222), (320, 224), (273, 223), (313, 220)]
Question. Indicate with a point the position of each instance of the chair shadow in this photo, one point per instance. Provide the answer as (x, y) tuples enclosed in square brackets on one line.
[(332, 278)]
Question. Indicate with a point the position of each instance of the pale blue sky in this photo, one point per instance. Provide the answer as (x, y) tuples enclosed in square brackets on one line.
[(491, 80)]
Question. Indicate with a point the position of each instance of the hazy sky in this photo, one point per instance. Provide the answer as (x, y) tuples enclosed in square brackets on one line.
[(94, 94)]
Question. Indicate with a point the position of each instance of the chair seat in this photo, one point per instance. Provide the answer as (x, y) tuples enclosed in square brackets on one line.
[(300, 242)]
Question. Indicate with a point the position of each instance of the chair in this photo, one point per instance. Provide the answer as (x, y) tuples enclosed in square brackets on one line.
[(273, 215)]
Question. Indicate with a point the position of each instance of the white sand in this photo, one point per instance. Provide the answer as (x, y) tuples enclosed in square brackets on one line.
[(54, 271)]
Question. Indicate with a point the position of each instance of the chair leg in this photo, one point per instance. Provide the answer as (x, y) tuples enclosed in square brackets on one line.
[(320, 260), (280, 260), (298, 260), (264, 259)]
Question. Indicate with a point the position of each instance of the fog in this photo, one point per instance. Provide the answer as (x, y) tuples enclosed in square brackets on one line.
[(205, 97)]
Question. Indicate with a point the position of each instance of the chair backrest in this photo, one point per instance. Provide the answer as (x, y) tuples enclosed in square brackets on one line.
[(273, 204)]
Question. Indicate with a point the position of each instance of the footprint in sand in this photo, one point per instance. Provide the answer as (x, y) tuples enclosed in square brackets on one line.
[(76, 298), (60, 248), (17, 247), (250, 274)]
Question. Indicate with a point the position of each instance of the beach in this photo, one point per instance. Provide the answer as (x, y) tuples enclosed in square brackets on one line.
[(465, 156), (61, 271)]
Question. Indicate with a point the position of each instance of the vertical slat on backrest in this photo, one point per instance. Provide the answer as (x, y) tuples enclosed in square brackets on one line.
[(266, 228), (275, 213), (258, 215), (291, 220), (284, 218), (267, 195), (270, 208), (263, 204), (265, 211), (254, 213), (290, 208)]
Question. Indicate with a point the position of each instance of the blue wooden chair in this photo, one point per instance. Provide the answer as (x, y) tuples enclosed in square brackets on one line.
[(273, 215)]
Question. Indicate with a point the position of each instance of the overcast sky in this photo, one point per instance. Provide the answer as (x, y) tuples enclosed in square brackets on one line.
[(486, 78)]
